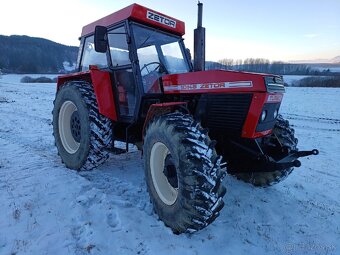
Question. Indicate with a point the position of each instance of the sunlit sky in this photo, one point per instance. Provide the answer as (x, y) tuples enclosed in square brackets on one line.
[(276, 30)]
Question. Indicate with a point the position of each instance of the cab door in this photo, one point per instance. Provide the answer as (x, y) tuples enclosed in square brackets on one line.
[(124, 82)]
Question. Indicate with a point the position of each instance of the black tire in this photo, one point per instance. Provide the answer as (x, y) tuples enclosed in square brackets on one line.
[(284, 135), (197, 168), (82, 147)]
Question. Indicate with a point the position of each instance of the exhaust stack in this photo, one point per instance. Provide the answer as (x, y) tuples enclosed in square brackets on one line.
[(199, 41)]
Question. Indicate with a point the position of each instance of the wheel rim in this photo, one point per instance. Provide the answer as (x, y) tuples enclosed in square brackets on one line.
[(69, 127), (166, 192)]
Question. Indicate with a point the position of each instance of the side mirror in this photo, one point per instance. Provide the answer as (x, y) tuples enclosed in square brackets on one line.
[(100, 39)]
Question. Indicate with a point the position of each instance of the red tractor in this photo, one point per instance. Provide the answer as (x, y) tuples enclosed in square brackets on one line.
[(136, 84)]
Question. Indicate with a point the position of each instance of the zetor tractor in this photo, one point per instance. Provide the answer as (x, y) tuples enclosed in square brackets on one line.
[(136, 84)]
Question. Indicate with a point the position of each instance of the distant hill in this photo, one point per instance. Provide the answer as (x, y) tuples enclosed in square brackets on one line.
[(24, 54), (335, 60), (260, 65)]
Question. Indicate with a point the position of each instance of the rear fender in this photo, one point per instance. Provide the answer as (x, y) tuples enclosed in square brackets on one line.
[(102, 86), (161, 109)]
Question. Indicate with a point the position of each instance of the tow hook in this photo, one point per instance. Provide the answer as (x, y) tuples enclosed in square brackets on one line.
[(301, 154), (294, 155)]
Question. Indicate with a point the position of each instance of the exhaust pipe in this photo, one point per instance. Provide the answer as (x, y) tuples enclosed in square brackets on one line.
[(199, 41)]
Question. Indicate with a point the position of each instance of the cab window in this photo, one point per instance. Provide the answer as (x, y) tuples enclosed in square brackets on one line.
[(91, 57), (118, 47)]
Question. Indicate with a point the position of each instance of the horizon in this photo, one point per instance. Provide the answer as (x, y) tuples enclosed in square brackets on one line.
[(313, 61), (301, 31)]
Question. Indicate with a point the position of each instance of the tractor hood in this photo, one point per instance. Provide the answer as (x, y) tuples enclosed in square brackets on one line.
[(219, 81)]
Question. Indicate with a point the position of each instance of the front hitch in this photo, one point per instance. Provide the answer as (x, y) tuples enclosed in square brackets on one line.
[(265, 163), (301, 154), (291, 160)]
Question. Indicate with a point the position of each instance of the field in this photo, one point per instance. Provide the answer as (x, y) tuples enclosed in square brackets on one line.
[(49, 209)]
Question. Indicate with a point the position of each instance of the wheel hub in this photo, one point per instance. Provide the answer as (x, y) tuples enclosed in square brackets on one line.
[(69, 127), (170, 171), (75, 126), (163, 173)]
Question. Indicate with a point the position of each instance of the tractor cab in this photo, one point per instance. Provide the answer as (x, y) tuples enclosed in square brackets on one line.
[(137, 46)]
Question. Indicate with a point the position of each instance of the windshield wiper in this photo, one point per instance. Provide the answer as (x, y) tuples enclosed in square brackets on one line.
[(151, 34)]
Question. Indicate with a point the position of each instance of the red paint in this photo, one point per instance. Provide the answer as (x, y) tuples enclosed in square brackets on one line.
[(137, 13), (218, 81), (161, 109), (101, 82), (255, 110), (212, 81), (253, 116), (79, 76), (102, 86)]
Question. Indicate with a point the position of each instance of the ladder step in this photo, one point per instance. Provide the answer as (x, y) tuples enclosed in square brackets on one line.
[(116, 151)]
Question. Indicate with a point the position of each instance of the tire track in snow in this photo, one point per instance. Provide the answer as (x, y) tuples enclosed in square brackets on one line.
[(312, 118), (27, 190), (87, 215), (313, 123), (93, 209), (95, 216), (122, 180)]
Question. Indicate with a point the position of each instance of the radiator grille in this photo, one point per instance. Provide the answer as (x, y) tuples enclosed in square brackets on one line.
[(227, 113)]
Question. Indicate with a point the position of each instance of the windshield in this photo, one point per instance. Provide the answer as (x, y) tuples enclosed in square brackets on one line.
[(158, 54)]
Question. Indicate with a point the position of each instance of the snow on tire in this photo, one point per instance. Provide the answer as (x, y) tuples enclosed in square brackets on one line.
[(183, 172), (283, 133), (81, 133)]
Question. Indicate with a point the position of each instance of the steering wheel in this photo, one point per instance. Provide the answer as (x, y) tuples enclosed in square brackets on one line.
[(152, 63)]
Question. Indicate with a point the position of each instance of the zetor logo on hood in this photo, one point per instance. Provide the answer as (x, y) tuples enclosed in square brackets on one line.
[(161, 19)]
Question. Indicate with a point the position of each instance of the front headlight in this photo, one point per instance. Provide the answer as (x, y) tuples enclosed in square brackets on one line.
[(274, 84), (263, 115), (276, 112)]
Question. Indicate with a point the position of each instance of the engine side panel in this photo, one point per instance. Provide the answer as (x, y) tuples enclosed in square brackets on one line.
[(224, 113), (230, 102), (213, 81)]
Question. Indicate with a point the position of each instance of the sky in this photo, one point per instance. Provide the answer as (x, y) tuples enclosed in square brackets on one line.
[(238, 29)]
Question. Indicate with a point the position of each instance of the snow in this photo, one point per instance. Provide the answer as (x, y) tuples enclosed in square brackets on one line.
[(48, 209), (69, 67)]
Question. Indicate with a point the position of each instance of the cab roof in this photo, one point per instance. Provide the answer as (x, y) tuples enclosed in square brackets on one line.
[(139, 14)]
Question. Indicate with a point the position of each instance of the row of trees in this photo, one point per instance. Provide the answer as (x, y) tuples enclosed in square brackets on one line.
[(313, 81), (262, 65)]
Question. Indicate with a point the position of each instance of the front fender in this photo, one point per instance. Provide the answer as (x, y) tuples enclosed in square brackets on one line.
[(161, 109)]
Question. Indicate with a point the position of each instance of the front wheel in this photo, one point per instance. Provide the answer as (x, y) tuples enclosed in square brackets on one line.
[(183, 173), (283, 136)]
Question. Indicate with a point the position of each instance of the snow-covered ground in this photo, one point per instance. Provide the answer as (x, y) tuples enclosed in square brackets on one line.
[(48, 209)]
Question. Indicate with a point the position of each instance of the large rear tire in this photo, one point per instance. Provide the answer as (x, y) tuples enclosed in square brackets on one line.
[(283, 135), (183, 173), (81, 133)]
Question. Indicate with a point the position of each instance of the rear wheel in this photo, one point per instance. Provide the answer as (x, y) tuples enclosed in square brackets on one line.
[(283, 136), (183, 173), (81, 133)]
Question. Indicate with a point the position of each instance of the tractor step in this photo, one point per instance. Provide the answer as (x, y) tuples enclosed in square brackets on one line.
[(116, 151)]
